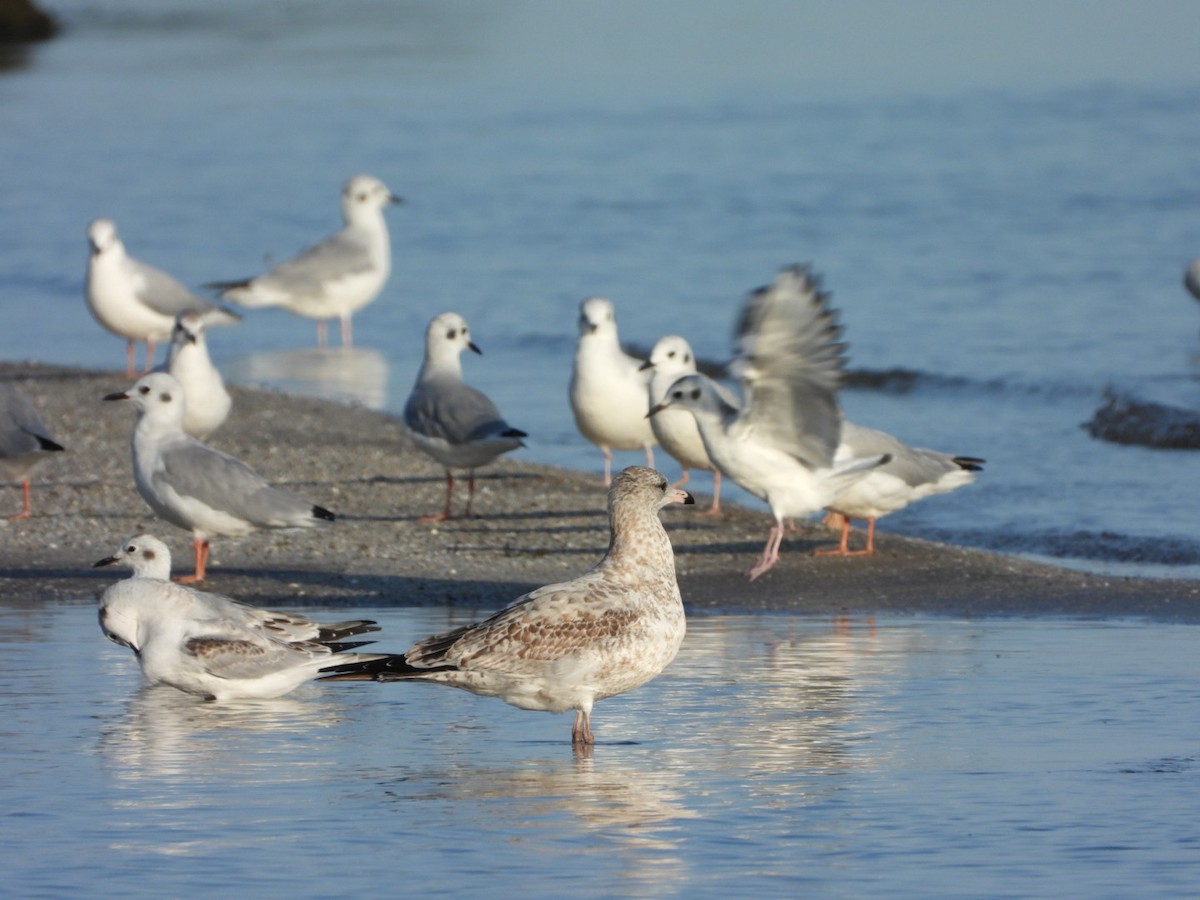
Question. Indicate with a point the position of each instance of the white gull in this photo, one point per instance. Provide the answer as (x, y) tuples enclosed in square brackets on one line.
[(676, 429), (911, 474), (206, 400), (335, 277), (24, 442), (136, 301), (209, 644), (780, 444), (450, 420), (565, 646), (609, 390), (195, 487)]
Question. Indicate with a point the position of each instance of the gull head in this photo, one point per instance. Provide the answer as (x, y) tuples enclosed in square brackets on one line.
[(362, 193), (189, 329), (157, 394), (145, 554), (644, 487), (696, 393), (102, 235), (672, 355), (447, 336), (597, 317)]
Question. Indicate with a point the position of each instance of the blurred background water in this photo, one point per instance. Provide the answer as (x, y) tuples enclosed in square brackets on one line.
[(1011, 243), (778, 756)]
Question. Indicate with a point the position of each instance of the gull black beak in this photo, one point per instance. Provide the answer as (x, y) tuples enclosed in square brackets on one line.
[(107, 561), (646, 365), (471, 346), (120, 395), (396, 200), (656, 409)]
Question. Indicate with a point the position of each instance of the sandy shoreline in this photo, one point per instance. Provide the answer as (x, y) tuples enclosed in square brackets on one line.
[(537, 524)]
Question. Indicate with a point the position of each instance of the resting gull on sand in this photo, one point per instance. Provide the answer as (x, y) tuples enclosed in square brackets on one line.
[(565, 646), (195, 487), (450, 420), (208, 644)]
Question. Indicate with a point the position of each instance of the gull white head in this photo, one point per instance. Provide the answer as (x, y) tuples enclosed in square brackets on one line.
[(145, 554), (158, 396), (697, 393), (446, 337), (672, 355), (363, 195), (597, 317), (102, 235), (189, 329)]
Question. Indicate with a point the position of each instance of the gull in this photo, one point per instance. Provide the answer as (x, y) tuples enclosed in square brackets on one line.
[(609, 392), (336, 277), (676, 429), (24, 442), (565, 646), (136, 301), (209, 644), (450, 420), (911, 474), (195, 487), (206, 401), (780, 444)]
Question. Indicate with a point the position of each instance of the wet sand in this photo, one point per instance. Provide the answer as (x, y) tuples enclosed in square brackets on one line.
[(534, 524)]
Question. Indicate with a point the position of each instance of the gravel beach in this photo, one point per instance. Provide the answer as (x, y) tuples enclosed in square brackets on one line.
[(535, 524)]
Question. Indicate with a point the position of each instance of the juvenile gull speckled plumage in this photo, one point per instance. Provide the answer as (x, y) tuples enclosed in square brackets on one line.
[(195, 487), (206, 401), (450, 420), (780, 444), (676, 429), (209, 644), (911, 474), (335, 277), (609, 391), (136, 301), (565, 646), (24, 442)]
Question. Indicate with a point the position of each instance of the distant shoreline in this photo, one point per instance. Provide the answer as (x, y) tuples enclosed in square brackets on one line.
[(537, 525)]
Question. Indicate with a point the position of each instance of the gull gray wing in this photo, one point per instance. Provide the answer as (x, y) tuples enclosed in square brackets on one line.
[(222, 482), (914, 465), (337, 256), (454, 411), (791, 363), (236, 657), (165, 294), (21, 428)]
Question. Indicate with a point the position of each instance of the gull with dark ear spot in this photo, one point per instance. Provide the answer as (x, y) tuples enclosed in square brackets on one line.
[(24, 442), (335, 277), (209, 644), (565, 646), (609, 391), (136, 301), (781, 444), (195, 487), (450, 420), (206, 400)]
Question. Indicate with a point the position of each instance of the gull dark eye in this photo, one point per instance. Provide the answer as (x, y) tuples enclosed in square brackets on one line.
[(687, 357), (131, 549), (451, 334), (662, 485), (677, 395), (144, 389), (671, 355)]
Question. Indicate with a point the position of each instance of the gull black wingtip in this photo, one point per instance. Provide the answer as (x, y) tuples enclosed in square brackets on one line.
[(320, 512)]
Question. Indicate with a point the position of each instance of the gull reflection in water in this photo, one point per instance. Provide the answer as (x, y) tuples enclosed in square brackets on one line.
[(165, 735), (343, 374)]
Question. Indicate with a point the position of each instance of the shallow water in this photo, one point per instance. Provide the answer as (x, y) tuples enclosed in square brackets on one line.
[(1020, 250), (777, 755)]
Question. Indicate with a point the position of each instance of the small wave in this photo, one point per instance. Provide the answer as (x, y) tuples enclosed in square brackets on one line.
[(1126, 420), (1100, 546)]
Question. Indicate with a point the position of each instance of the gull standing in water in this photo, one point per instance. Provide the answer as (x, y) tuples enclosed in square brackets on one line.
[(206, 401), (209, 644), (336, 277), (609, 391), (24, 442), (565, 646), (136, 301), (450, 420), (910, 474), (676, 429), (780, 444), (195, 487)]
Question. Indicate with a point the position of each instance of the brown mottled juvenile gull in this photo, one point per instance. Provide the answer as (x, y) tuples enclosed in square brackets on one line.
[(24, 442), (335, 277), (195, 487), (910, 474), (136, 301), (209, 644), (565, 646), (447, 418), (609, 391), (780, 444)]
